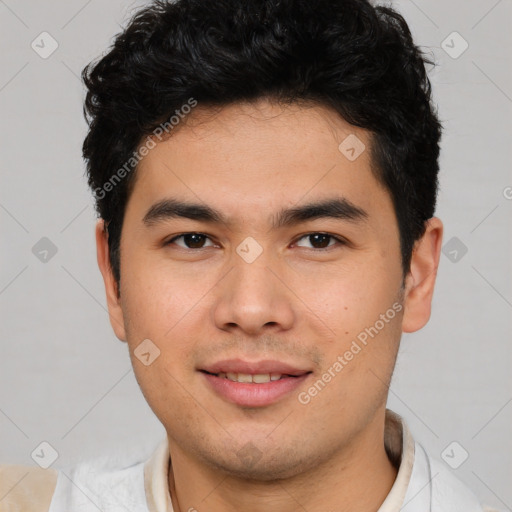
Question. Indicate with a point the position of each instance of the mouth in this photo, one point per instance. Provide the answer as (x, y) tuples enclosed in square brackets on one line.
[(253, 384), (248, 378)]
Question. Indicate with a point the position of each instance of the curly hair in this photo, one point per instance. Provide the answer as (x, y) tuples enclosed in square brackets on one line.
[(356, 58)]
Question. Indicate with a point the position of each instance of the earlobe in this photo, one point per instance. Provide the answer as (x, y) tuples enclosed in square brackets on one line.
[(420, 281), (113, 301)]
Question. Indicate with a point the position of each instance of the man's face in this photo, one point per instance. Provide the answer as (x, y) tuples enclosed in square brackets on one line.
[(261, 296)]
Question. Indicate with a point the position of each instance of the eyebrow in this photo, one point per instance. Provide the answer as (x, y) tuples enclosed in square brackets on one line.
[(334, 208)]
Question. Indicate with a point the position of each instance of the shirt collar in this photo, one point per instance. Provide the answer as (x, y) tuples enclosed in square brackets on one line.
[(156, 471), (398, 442), (400, 446)]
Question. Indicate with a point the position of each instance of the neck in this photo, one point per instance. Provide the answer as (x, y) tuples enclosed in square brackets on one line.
[(359, 476)]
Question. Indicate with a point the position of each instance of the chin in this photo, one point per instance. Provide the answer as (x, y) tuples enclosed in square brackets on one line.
[(250, 464)]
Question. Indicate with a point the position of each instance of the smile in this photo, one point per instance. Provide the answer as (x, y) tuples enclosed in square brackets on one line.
[(259, 378), (253, 390)]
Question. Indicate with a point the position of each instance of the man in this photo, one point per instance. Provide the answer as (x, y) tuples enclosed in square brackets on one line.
[(265, 174)]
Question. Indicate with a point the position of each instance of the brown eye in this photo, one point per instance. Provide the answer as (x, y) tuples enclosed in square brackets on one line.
[(191, 241), (320, 240)]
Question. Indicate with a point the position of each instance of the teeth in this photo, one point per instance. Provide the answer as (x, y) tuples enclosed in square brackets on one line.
[(246, 377), (258, 379)]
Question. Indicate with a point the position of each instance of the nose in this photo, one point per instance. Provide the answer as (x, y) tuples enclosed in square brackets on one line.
[(254, 298)]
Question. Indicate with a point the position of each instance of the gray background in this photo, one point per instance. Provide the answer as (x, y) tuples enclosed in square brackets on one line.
[(67, 380)]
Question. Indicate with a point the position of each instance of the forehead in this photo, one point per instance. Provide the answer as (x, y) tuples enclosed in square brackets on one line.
[(250, 160)]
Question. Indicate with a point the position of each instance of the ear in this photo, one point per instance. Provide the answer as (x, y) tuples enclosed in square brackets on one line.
[(113, 301), (419, 283)]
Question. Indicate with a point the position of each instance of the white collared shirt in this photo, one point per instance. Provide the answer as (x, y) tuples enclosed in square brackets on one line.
[(422, 484)]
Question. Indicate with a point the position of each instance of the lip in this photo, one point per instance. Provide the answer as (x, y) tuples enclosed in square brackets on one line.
[(250, 394), (253, 395), (254, 368)]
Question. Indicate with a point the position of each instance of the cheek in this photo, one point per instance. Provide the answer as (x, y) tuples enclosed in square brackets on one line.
[(166, 391), (168, 315), (157, 295), (350, 299), (360, 306)]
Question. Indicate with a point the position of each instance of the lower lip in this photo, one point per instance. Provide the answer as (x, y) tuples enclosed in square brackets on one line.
[(254, 395)]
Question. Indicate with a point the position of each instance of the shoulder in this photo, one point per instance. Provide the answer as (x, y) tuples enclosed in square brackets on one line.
[(26, 488), (448, 489)]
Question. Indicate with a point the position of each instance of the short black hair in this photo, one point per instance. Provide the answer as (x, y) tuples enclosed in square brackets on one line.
[(357, 58)]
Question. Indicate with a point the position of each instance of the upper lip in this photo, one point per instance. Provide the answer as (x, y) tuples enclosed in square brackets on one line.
[(253, 368)]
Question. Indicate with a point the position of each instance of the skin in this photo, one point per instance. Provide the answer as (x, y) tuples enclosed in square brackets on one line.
[(297, 302)]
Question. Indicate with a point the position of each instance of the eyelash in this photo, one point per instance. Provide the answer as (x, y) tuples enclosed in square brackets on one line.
[(340, 241)]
